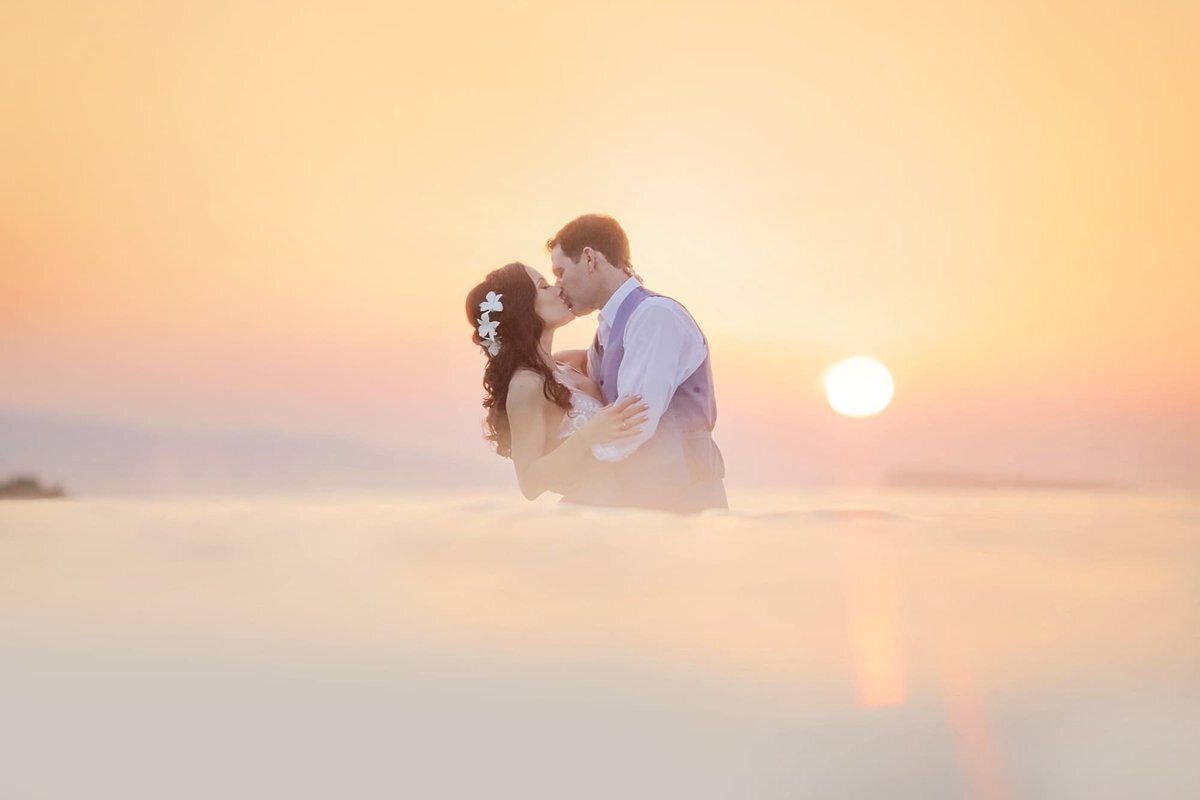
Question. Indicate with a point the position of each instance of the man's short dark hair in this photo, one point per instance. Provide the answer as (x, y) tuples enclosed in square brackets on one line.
[(600, 232)]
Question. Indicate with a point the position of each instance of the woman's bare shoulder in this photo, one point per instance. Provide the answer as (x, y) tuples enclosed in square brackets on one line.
[(525, 387)]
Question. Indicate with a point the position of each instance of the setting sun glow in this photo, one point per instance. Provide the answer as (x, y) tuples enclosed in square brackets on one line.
[(859, 387)]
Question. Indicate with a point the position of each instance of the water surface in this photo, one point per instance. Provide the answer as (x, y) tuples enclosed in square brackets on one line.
[(914, 645)]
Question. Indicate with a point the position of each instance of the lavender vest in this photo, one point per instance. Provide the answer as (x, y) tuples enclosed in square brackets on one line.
[(680, 467)]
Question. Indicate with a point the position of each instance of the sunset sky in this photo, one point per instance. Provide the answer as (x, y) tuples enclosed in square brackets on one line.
[(265, 217)]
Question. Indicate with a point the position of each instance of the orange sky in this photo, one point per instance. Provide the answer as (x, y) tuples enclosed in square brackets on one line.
[(267, 217)]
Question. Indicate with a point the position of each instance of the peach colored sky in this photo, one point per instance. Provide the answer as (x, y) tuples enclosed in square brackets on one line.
[(259, 216)]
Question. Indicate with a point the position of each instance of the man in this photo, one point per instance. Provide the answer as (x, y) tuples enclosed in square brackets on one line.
[(649, 345)]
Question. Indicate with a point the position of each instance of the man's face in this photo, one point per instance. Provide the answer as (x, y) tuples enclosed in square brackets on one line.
[(576, 279)]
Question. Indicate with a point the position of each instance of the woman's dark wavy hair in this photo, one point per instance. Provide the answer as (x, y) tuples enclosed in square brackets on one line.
[(519, 332)]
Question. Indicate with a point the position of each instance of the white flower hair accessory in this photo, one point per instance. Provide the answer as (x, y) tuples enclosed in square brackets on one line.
[(492, 302), (488, 326)]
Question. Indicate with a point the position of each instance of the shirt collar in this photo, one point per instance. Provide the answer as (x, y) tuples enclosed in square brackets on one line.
[(609, 312)]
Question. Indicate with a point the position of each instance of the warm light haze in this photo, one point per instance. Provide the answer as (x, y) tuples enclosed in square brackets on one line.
[(941, 543), (258, 221)]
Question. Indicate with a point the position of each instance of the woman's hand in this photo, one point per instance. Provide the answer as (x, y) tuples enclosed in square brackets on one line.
[(620, 420)]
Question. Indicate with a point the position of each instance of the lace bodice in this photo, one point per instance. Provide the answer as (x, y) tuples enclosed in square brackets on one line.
[(583, 408)]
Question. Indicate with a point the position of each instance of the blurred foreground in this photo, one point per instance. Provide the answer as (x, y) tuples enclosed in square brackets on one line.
[(912, 645)]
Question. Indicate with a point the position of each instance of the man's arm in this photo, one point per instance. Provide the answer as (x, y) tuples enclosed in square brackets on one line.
[(577, 359), (663, 347)]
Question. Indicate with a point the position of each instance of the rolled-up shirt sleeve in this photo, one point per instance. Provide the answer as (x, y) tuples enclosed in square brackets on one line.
[(663, 347)]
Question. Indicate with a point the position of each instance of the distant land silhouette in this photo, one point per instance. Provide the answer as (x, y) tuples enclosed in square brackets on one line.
[(99, 458), (102, 458), (28, 487), (946, 479)]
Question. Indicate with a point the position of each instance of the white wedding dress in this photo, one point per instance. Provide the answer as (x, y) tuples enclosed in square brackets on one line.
[(594, 483), (583, 406)]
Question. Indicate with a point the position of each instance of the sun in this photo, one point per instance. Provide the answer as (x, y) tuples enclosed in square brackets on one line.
[(859, 387)]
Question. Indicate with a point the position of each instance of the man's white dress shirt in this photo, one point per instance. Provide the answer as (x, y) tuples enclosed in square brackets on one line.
[(663, 347)]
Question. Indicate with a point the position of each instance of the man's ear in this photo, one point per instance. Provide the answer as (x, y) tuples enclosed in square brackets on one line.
[(589, 257)]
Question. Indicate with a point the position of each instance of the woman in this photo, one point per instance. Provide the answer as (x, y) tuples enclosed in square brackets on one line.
[(543, 414)]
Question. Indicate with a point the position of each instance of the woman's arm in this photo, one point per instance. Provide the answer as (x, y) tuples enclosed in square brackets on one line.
[(539, 470)]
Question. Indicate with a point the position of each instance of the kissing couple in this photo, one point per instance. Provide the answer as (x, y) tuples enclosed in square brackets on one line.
[(627, 422)]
